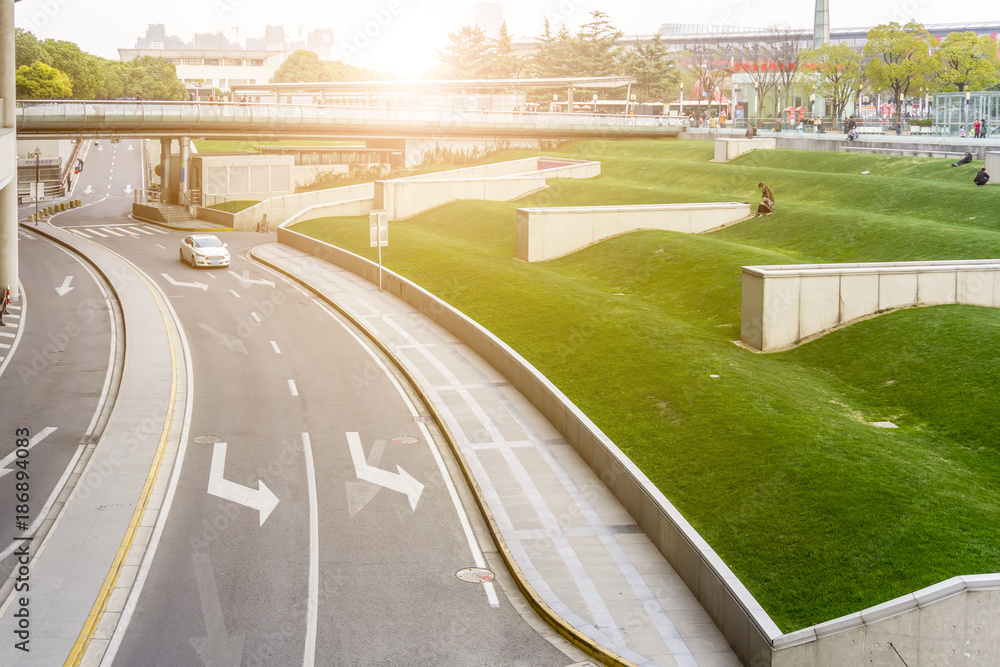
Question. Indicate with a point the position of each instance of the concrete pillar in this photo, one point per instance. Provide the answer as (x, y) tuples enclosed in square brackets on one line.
[(165, 170), (185, 143), (8, 161)]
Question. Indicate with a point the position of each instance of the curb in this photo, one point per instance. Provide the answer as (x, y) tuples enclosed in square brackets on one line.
[(578, 639), (160, 223)]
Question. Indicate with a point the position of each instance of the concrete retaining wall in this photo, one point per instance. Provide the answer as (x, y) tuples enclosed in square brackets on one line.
[(747, 628), (279, 209), (955, 622), (216, 216), (784, 304), (144, 212), (727, 149), (546, 233), (993, 167)]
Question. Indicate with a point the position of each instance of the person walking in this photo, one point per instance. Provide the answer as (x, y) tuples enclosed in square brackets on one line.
[(975, 129), (982, 178)]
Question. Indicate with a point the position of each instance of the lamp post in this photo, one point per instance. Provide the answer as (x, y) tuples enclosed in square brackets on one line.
[(756, 104), (37, 154)]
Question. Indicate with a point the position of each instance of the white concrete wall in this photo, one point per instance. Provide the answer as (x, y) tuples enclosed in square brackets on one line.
[(784, 304), (993, 167), (279, 209), (727, 149), (955, 622), (546, 233)]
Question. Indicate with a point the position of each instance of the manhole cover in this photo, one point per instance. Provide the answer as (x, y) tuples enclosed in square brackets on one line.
[(404, 440), (207, 439), (475, 575)]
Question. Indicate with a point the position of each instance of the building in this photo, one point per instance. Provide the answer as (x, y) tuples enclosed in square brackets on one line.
[(320, 42), (489, 17)]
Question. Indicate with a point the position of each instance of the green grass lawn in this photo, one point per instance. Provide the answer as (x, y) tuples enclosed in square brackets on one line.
[(216, 146), (773, 462), (234, 206)]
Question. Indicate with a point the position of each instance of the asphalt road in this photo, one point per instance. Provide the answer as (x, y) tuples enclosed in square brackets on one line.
[(356, 563)]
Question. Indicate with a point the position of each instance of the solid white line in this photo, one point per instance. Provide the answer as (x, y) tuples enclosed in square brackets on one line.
[(312, 604), (161, 246), (82, 233), (292, 388), (255, 316), (235, 293), (275, 346), (144, 231), (94, 231), (111, 231)]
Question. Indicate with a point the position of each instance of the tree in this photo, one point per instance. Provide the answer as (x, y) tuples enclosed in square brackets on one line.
[(553, 54), (897, 57), (966, 61), (150, 78), (84, 71), (655, 73), (787, 48), (709, 66), (39, 81), (27, 49), (836, 68), (301, 67), (504, 63), (595, 48), (757, 60), (467, 54)]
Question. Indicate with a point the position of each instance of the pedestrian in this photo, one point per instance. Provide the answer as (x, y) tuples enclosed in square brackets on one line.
[(982, 178), (766, 192), (765, 207), (777, 124), (961, 131), (966, 159), (975, 128), (751, 131)]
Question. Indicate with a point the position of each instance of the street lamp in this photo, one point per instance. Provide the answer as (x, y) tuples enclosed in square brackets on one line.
[(756, 104), (37, 155)]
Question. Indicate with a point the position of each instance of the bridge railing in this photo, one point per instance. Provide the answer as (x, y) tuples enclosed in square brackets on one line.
[(136, 117)]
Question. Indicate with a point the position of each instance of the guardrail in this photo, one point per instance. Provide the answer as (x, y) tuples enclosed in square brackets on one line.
[(215, 119)]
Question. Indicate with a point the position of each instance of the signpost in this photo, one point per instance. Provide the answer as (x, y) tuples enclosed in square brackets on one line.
[(379, 236)]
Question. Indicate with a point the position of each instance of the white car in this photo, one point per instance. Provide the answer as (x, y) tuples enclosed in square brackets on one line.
[(204, 250)]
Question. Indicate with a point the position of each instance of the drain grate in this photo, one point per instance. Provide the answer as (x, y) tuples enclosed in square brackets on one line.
[(207, 439), (404, 440), (475, 575)]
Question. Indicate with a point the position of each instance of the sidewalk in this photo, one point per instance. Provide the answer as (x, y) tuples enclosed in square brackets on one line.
[(580, 552)]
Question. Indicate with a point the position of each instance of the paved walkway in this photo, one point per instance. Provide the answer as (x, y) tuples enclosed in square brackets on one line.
[(581, 552)]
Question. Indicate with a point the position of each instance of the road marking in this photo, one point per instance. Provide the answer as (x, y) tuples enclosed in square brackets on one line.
[(273, 344), (159, 231), (400, 481), (262, 499), (34, 440), (360, 493), (218, 648), (143, 230), (180, 284), (247, 280), (161, 246), (255, 316), (27, 235), (65, 288), (111, 231), (292, 388), (312, 605), (94, 231), (129, 232), (80, 232), (234, 293), (88, 190), (212, 276)]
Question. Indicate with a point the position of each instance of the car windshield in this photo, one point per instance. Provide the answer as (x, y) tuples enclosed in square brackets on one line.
[(206, 242)]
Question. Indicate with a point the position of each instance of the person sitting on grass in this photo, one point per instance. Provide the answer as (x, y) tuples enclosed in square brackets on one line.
[(982, 178), (965, 160), (765, 207)]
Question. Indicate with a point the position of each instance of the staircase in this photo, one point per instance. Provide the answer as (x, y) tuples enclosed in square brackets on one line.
[(175, 215)]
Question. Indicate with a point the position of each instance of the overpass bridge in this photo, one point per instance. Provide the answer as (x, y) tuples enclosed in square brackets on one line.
[(218, 120)]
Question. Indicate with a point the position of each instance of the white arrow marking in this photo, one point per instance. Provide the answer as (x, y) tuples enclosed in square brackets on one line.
[(232, 342), (88, 189), (402, 481), (218, 648), (128, 189), (131, 147), (247, 280), (100, 147), (261, 500), (178, 284), (360, 493), (38, 437), (65, 288)]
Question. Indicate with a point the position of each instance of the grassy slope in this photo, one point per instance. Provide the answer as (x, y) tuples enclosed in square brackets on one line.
[(773, 462)]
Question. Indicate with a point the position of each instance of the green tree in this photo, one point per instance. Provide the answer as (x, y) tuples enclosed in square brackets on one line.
[(553, 55), (83, 69), (504, 63), (897, 58), (467, 55), (39, 81), (967, 61), (150, 78), (301, 67), (114, 86), (27, 49), (655, 73), (595, 48), (837, 71)]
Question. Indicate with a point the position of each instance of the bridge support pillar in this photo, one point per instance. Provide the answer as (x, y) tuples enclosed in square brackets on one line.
[(165, 170), (8, 155), (182, 183)]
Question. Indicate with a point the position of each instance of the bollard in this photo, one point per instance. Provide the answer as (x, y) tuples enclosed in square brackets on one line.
[(62, 206)]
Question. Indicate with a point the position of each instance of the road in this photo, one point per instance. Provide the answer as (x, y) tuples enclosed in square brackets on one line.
[(315, 521)]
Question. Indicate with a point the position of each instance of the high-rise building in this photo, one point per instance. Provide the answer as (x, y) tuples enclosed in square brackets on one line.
[(489, 17), (320, 42), (821, 25)]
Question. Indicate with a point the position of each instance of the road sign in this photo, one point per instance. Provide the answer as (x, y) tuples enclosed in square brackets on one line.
[(378, 228)]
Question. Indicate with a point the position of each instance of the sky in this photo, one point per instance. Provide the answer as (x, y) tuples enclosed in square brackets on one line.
[(401, 36)]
